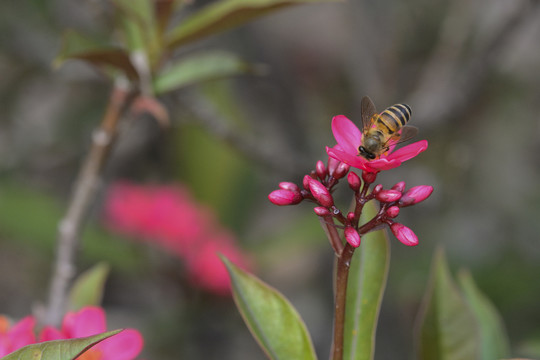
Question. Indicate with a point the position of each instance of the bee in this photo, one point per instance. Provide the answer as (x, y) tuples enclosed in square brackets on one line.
[(380, 131)]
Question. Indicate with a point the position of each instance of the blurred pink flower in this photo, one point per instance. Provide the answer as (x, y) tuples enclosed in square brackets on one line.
[(349, 139), (88, 321), (14, 337), (168, 216)]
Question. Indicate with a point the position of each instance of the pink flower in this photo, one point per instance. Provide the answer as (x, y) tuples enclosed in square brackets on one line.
[(349, 139), (14, 337), (90, 321), (169, 217)]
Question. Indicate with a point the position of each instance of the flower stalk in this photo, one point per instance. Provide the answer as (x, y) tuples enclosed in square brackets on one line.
[(86, 186)]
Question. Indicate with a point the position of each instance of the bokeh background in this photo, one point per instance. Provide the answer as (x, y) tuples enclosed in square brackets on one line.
[(470, 70)]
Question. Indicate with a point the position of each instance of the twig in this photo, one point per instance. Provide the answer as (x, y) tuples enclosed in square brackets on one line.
[(70, 227)]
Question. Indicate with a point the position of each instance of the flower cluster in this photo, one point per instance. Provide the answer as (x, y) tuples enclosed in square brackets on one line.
[(88, 321), (320, 183), (169, 217)]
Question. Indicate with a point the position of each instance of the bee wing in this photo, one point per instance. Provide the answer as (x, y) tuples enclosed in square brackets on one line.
[(368, 110), (407, 133)]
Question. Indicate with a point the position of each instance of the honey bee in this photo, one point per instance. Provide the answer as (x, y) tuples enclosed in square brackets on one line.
[(380, 131)]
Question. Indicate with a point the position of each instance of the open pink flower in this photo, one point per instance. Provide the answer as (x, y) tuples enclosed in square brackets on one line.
[(88, 321), (14, 337), (168, 216), (349, 139)]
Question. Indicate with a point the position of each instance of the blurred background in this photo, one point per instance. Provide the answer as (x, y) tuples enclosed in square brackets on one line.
[(469, 70)]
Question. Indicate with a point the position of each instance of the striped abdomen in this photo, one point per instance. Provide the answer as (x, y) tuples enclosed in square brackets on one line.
[(394, 118)]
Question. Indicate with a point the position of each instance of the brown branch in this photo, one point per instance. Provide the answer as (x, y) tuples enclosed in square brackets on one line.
[(86, 185)]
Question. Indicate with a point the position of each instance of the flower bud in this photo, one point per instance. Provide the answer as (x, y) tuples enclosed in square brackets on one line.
[(388, 196), (415, 195), (332, 165), (283, 197), (354, 181), (285, 185), (350, 216), (392, 212), (369, 177), (404, 234), (320, 169), (305, 182), (400, 186), (352, 236), (321, 193), (377, 189), (321, 211), (341, 170)]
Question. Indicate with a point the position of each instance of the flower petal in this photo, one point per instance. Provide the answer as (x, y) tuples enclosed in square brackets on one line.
[(353, 160), (409, 151), (384, 163), (347, 135), (122, 346), (87, 321)]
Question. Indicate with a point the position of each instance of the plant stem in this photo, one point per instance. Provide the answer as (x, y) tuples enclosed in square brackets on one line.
[(342, 275), (86, 185)]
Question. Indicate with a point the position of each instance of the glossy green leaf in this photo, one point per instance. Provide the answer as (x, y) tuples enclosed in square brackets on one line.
[(447, 328), (272, 320), (223, 15), (59, 349), (365, 289), (76, 46), (200, 67), (88, 287), (493, 339)]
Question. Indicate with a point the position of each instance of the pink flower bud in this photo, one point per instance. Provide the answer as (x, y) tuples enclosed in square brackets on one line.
[(352, 236), (388, 196), (377, 189), (320, 169), (369, 177), (285, 185), (332, 165), (305, 182), (354, 181), (350, 216), (392, 211), (415, 195), (321, 193), (341, 170), (400, 186), (321, 211), (404, 234), (283, 197)]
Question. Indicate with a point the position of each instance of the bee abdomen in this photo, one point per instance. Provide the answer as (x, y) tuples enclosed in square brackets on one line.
[(395, 117)]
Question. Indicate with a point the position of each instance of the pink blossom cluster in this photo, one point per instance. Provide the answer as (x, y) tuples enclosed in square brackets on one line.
[(168, 216), (319, 184), (88, 321)]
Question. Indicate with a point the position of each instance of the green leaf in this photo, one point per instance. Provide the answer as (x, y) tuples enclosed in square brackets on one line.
[(59, 349), (223, 15), (76, 46), (270, 317), (447, 328), (88, 287), (367, 281), (198, 68), (493, 339)]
